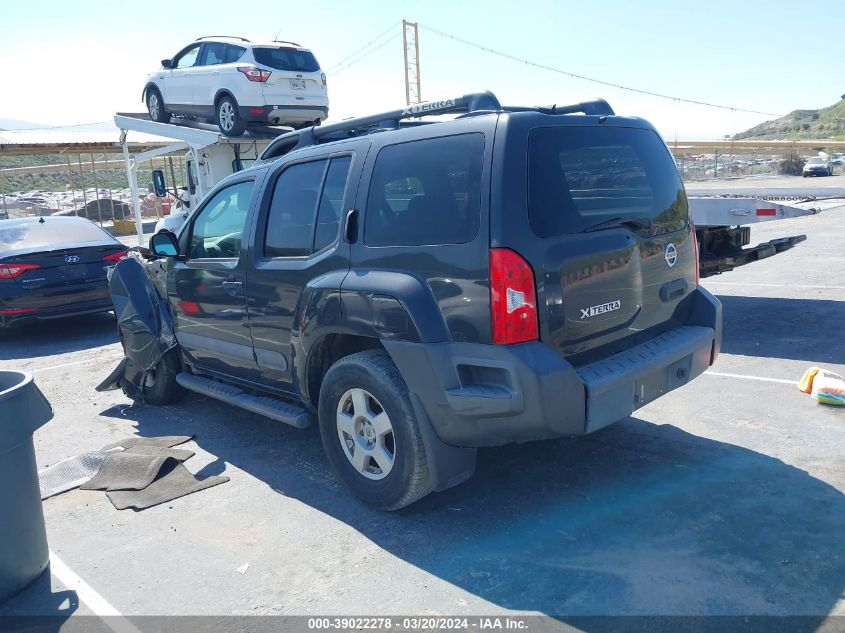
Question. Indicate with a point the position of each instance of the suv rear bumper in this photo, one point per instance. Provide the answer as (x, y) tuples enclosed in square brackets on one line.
[(486, 395), (282, 114)]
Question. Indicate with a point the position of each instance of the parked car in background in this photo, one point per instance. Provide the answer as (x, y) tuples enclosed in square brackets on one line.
[(235, 82), (817, 166), (53, 267), (105, 209)]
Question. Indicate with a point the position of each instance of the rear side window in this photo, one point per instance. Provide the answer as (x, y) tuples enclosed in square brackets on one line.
[(426, 192), (213, 53), (50, 233), (233, 53), (286, 59), (305, 208), (580, 176)]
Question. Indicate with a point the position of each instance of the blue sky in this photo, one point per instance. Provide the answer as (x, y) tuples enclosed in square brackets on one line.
[(79, 62)]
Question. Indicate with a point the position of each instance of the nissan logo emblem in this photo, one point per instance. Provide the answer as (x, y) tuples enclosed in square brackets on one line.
[(72, 259), (670, 254)]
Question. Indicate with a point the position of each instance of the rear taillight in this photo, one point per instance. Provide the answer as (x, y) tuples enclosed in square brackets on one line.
[(513, 299), (14, 311), (190, 307), (115, 257), (323, 77), (695, 243), (11, 271), (255, 74)]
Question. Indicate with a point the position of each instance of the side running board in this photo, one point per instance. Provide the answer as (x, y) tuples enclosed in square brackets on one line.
[(263, 405)]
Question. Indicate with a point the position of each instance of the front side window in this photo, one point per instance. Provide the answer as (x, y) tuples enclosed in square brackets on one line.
[(426, 192), (187, 58), (219, 227)]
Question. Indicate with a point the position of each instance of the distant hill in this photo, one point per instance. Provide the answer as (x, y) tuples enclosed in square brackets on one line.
[(17, 124), (799, 125)]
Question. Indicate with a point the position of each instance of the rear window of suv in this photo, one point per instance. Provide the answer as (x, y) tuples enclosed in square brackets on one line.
[(580, 176), (286, 59)]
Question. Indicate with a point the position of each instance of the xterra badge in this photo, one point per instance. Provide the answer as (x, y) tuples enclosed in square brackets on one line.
[(586, 313)]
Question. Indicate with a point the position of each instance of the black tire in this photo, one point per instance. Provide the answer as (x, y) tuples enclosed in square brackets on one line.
[(374, 372), (160, 386), (156, 107), (228, 117)]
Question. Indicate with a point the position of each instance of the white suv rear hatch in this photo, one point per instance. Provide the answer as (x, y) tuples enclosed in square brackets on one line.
[(296, 75)]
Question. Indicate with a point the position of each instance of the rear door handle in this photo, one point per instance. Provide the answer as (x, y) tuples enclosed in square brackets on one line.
[(232, 288), (350, 226)]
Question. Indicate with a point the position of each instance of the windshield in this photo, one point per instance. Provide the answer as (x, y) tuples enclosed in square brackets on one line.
[(816, 161), (287, 59), (580, 176)]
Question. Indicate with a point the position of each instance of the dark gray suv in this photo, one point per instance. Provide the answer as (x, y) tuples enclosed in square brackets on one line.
[(423, 289)]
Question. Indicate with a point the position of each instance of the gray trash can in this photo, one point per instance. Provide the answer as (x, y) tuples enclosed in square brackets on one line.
[(23, 538)]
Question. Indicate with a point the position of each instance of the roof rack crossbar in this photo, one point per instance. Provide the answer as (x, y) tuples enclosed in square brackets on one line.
[(473, 102), (228, 37), (598, 107)]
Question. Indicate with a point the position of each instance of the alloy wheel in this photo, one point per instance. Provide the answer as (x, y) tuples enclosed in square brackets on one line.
[(366, 434)]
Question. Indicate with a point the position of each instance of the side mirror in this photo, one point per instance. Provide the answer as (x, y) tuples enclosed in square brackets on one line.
[(164, 244), (166, 63), (159, 185)]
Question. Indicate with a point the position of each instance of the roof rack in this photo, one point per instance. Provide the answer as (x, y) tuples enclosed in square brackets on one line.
[(286, 42), (228, 37), (473, 103)]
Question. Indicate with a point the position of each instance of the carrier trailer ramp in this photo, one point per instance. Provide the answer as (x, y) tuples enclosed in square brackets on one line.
[(723, 228)]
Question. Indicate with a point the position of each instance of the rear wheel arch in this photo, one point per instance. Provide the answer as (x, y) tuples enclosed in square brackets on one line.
[(223, 92), (325, 353)]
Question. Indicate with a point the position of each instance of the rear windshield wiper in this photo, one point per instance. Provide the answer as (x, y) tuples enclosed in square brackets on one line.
[(633, 223)]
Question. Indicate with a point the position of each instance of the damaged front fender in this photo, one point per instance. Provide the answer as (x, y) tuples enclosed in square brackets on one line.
[(144, 323)]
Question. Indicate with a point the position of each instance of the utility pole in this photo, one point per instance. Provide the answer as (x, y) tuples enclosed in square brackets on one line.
[(410, 38)]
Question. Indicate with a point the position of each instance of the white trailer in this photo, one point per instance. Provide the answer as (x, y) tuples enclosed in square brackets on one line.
[(723, 227), (210, 155)]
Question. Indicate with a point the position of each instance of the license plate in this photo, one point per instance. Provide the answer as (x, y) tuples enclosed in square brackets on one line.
[(297, 84)]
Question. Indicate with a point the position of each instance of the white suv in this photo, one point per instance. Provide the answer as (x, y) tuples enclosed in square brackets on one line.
[(235, 82)]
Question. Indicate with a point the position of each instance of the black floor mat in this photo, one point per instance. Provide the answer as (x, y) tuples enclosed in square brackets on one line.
[(165, 441), (125, 470), (181, 454), (174, 481)]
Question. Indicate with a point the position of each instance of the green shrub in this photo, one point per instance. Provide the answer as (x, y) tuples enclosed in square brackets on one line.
[(791, 164)]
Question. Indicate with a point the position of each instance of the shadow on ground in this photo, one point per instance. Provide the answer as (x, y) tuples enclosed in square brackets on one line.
[(635, 519), (58, 336), (38, 599), (783, 328)]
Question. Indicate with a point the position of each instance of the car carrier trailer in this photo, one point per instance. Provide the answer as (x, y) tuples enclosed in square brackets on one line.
[(210, 156), (723, 227)]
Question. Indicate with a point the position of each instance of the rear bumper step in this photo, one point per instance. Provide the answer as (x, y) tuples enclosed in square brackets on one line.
[(262, 405)]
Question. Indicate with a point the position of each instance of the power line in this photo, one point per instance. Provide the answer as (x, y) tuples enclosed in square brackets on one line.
[(590, 79), (367, 45), (367, 54)]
